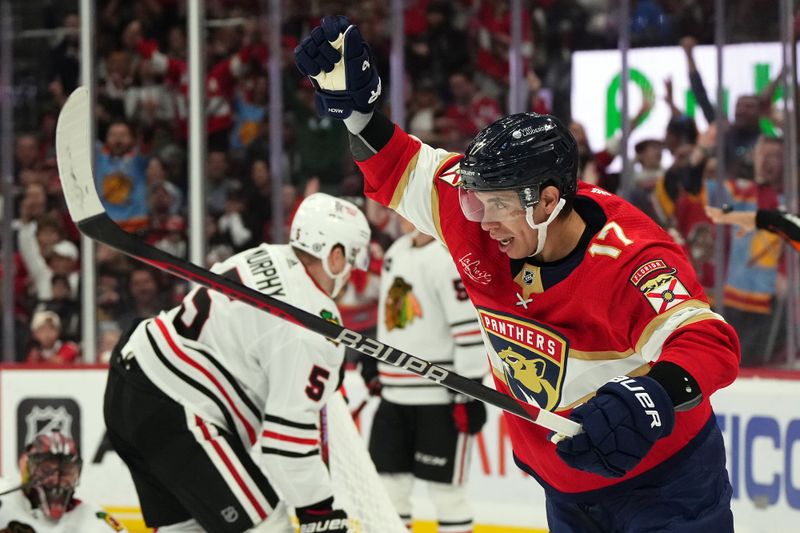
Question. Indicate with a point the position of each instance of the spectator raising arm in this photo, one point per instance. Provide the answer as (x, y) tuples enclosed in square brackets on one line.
[(784, 224), (695, 81)]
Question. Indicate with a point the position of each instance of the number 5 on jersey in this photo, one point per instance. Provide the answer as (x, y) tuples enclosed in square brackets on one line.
[(316, 383)]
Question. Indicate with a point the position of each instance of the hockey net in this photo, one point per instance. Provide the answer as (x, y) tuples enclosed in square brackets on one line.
[(356, 486)]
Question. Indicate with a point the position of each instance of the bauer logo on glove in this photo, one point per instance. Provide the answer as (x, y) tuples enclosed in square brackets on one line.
[(339, 63), (621, 424)]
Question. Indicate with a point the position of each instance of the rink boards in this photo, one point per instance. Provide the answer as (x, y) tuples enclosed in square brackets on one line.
[(758, 416)]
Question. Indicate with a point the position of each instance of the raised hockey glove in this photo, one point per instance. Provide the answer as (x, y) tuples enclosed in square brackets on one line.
[(620, 425), (469, 417), (339, 63), (321, 517)]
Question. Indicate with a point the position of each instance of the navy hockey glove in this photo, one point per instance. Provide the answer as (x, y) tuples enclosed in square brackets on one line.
[(620, 425), (339, 63), (469, 417), (321, 517)]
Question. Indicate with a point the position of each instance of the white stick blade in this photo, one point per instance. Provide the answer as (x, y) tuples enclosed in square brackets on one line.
[(561, 425), (74, 153)]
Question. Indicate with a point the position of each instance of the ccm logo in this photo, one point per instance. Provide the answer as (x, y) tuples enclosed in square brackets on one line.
[(644, 399), (327, 525)]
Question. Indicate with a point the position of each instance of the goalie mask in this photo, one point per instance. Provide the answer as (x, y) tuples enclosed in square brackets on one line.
[(50, 468), (321, 223), (518, 154)]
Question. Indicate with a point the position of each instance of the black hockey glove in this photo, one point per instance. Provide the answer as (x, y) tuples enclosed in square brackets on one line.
[(322, 517), (620, 425), (369, 373), (469, 417), (340, 65)]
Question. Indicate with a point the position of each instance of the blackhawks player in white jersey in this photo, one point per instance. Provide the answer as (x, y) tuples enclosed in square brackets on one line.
[(422, 430), (193, 390), (44, 502)]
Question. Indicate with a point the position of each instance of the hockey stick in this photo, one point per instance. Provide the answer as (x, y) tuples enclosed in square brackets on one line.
[(74, 152)]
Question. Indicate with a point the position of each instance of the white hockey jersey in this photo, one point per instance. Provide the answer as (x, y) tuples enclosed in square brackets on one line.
[(257, 375), (17, 515), (425, 311)]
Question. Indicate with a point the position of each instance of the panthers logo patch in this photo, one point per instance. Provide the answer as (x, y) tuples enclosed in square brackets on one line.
[(533, 358), (401, 306)]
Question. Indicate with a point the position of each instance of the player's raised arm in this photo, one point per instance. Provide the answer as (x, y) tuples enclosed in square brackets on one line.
[(399, 170)]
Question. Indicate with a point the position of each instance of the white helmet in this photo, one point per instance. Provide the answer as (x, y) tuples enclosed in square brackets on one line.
[(321, 222)]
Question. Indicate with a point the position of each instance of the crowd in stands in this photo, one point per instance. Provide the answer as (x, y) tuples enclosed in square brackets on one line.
[(456, 82)]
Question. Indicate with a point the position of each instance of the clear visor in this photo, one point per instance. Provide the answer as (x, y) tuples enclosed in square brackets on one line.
[(490, 206)]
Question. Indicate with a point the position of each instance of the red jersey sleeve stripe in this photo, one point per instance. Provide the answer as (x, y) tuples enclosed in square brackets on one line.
[(251, 434), (226, 460), (289, 438), (471, 332)]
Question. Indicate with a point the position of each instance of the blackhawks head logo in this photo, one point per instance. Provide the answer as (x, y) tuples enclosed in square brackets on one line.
[(401, 305)]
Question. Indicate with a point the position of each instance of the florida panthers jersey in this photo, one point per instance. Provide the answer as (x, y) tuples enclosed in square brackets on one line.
[(424, 310), (257, 375), (17, 515), (555, 332)]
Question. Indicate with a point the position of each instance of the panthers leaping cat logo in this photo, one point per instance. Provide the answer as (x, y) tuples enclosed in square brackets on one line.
[(526, 378)]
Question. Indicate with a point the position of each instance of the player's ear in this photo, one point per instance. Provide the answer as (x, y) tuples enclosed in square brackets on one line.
[(549, 197), (337, 259)]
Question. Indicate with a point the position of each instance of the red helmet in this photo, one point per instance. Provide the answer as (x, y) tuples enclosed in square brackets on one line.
[(50, 467)]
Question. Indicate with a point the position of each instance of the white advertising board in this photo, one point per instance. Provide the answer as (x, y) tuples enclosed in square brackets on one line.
[(596, 87), (32, 401), (759, 419)]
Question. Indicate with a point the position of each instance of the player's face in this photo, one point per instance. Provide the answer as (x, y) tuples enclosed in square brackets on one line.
[(501, 215), (52, 473)]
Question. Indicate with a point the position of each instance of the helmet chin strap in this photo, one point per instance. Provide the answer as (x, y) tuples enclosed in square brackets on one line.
[(339, 279), (542, 227)]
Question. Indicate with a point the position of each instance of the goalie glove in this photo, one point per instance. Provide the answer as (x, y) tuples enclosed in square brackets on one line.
[(340, 65), (322, 517), (620, 425)]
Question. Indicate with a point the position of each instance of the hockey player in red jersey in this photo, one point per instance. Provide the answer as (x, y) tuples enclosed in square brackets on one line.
[(588, 308)]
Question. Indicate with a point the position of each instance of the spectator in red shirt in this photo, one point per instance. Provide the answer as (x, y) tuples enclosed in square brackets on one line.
[(469, 112), (48, 345), (438, 50), (493, 28)]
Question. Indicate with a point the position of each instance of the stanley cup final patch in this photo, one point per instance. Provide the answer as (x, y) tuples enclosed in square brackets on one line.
[(659, 285)]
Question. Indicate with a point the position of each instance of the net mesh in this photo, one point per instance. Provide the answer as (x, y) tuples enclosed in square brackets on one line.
[(356, 486)]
